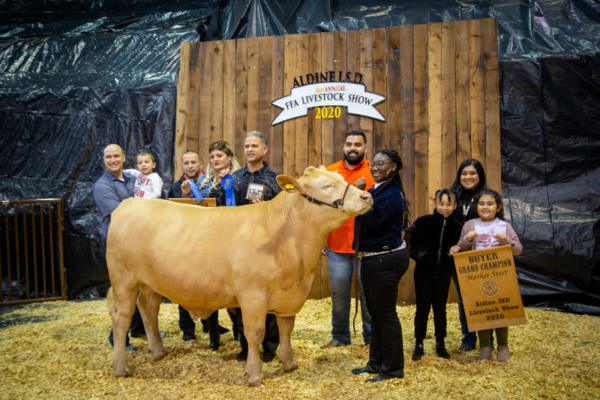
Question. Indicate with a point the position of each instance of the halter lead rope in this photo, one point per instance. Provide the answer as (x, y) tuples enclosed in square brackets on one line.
[(337, 204)]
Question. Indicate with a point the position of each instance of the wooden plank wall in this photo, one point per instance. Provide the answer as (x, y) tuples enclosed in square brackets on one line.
[(442, 106)]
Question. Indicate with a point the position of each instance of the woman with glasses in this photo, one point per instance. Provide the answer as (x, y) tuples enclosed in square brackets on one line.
[(385, 259)]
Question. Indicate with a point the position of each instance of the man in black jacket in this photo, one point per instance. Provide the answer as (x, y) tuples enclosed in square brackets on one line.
[(191, 165), (255, 172)]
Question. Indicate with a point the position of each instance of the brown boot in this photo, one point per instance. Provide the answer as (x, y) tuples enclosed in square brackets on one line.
[(503, 353), (485, 353), (331, 345)]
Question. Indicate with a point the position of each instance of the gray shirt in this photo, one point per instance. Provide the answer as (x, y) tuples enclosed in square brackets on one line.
[(109, 191)]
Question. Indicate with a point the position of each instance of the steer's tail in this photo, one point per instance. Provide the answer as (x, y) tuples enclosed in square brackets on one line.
[(109, 298)]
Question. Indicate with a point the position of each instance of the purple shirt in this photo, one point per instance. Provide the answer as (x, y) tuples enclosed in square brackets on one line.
[(487, 231), (109, 191)]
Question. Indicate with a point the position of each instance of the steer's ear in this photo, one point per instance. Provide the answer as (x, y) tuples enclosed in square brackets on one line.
[(289, 184), (322, 168)]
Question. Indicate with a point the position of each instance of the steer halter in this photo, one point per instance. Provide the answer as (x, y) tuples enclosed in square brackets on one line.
[(338, 204)]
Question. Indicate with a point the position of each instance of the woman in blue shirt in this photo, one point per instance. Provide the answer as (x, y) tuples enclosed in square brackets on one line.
[(384, 259), (221, 159)]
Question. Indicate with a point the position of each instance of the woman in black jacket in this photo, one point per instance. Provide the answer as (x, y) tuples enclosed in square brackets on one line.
[(384, 259), (470, 180), (431, 240)]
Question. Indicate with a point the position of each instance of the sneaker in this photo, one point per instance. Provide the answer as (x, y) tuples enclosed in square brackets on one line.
[(128, 347), (464, 347), (143, 334), (189, 336), (419, 352), (442, 352), (503, 353), (485, 353), (222, 330), (331, 345), (268, 356)]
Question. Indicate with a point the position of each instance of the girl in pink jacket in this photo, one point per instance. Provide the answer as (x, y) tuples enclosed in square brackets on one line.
[(489, 230)]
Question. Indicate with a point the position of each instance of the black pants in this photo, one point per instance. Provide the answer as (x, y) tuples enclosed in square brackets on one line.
[(381, 275), (271, 341), (187, 324), (431, 291), (136, 327)]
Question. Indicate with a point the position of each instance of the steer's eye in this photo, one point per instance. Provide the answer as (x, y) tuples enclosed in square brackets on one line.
[(327, 187)]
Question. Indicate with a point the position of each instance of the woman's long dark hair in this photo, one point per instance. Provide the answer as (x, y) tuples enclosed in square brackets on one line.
[(395, 158), (458, 188)]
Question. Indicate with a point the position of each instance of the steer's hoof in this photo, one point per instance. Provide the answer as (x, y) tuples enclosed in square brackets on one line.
[(122, 373), (290, 368), (160, 355), (255, 381)]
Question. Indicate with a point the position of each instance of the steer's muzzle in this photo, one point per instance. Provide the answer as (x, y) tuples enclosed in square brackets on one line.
[(361, 205)]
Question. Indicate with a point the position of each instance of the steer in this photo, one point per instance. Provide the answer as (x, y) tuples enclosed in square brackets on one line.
[(266, 264)]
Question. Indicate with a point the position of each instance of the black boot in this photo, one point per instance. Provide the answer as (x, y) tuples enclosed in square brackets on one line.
[(213, 331), (419, 351), (440, 349)]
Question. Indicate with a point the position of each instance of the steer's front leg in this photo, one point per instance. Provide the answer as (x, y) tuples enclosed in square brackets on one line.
[(286, 355), (254, 330)]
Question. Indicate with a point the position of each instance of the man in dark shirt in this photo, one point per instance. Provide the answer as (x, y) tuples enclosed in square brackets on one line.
[(111, 189), (256, 172)]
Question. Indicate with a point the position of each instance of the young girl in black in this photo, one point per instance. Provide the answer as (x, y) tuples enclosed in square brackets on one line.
[(432, 238)]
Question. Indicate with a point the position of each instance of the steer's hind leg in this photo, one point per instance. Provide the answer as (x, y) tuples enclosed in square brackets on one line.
[(122, 308), (149, 305), (286, 355), (254, 330)]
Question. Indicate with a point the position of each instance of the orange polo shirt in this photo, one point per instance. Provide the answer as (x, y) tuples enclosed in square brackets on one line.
[(340, 239)]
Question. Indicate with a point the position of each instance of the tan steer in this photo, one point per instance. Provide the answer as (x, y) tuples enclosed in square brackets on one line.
[(266, 264)]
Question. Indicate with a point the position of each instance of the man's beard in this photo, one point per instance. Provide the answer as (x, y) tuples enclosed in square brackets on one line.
[(354, 159)]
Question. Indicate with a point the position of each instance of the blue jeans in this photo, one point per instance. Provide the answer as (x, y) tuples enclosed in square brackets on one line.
[(470, 338), (341, 267)]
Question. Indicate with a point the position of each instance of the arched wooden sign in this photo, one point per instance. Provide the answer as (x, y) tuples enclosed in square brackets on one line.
[(440, 83)]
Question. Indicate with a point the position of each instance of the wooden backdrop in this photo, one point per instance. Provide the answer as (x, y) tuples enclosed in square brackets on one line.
[(442, 106)]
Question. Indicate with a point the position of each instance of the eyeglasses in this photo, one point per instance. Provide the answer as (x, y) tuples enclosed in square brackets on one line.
[(379, 164)]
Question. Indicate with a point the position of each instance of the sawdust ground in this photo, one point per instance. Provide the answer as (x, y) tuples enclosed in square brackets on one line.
[(60, 350)]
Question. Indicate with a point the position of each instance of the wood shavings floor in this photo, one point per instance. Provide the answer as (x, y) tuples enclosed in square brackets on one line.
[(60, 350)]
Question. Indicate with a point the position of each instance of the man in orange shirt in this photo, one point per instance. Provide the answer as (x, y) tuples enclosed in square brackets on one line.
[(356, 171)]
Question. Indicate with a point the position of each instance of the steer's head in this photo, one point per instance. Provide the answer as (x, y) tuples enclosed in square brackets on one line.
[(330, 188)]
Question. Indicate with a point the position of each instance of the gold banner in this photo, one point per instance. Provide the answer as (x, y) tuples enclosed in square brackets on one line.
[(489, 288)]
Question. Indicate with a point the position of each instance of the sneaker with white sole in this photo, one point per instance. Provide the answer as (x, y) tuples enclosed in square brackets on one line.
[(189, 337)]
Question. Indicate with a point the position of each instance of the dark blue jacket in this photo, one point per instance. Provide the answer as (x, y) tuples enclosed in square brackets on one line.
[(381, 227)]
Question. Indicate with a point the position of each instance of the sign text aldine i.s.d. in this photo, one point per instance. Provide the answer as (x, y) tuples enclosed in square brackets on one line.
[(341, 94), (489, 287)]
